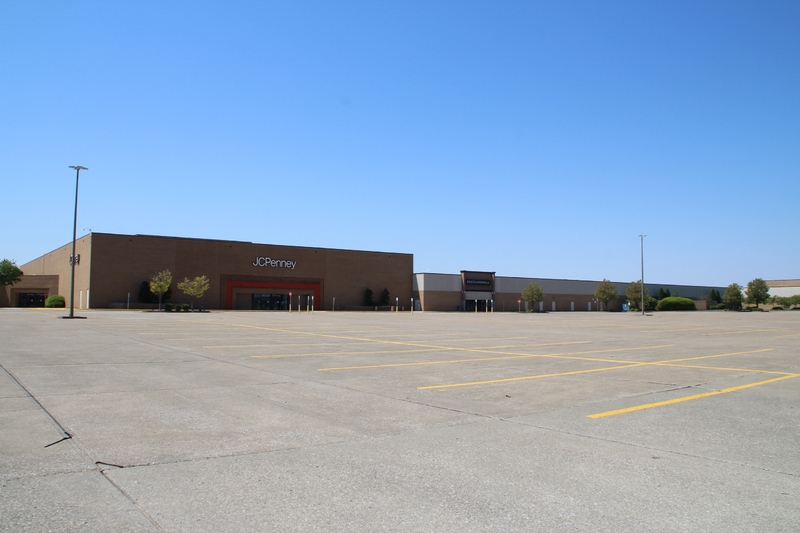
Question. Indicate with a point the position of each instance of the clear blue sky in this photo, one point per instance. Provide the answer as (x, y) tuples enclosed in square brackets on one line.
[(527, 138)]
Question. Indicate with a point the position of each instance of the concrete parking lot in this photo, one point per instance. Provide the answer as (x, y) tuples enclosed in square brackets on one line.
[(271, 421)]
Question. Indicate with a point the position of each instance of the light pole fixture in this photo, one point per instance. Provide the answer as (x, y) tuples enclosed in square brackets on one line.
[(641, 258), (73, 257)]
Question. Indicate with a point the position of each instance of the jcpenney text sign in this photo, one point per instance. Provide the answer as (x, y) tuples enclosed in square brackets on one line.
[(275, 263)]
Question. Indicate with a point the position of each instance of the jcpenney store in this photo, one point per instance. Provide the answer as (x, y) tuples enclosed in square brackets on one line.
[(243, 275)]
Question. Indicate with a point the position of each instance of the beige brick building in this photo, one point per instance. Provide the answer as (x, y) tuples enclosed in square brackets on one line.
[(248, 276), (243, 275)]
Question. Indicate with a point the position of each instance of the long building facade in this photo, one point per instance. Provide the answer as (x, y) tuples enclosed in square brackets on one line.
[(482, 291), (110, 269)]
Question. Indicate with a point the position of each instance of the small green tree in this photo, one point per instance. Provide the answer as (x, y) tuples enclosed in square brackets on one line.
[(733, 296), (9, 273), (160, 284), (385, 297), (713, 297), (533, 294), (368, 297), (634, 294), (194, 288), (146, 296), (757, 291), (606, 292)]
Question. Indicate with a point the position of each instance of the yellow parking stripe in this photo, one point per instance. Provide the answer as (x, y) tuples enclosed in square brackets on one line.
[(565, 355), (532, 345), (714, 355), (689, 398), (521, 378), (739, 332), (326, 354), (727, 369), (272, 345), (620, 364)]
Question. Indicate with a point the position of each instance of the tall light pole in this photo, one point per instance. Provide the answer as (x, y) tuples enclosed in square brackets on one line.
[(78, 169), (641, 257)]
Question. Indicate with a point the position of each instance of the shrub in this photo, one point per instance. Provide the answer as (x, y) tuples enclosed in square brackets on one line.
[(676, 303), (650, 303), (168, 306), (55, 300), (384, 297), (717, 307), (184, 307)]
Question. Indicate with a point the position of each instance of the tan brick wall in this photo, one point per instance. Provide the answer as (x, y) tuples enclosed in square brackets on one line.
[(56, 263), (119, 264), (47, 285)]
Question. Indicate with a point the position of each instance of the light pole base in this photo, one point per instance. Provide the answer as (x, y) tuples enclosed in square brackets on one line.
[(71, 317)]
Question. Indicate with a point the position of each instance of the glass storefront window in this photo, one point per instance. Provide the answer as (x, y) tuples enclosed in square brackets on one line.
[(269, 302)]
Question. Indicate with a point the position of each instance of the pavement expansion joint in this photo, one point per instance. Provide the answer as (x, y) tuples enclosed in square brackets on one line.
[(35, 400), (59, 440), (101, 463), (133, 502)]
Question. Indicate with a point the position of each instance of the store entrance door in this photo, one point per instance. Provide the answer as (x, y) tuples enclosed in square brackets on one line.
[(469, 305), (269, 302), (31, 299)]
